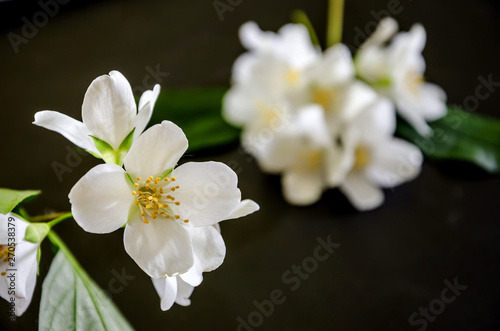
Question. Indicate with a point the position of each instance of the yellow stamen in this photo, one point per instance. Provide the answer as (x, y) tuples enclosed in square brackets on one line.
[(362, 157)]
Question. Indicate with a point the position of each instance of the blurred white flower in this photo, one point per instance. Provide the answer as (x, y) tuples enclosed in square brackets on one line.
[(397, 71), (109, 113), (307, 116), (334, 87), (373, 159), (303, 153), (269, 82), (18, 266), (157, 203)]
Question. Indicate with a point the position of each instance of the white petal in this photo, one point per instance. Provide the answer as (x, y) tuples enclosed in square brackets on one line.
[(376, 123), (209, 252), (338, 163), (146, 106), (73, 130), (361, 193), (253, 38), (372, 64), (246, 207), (243, 67), (184, 291), (207, 192), (109, 108), (161, 247), (101, 200), (394, 162), (167, 291), (238, 106), (295, 46), (357, 98), (335, 68), (302, 189), (433, 101), (156, 150), (409, 109), (386, 28)]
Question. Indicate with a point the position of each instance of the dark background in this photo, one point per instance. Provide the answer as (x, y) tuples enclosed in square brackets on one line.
[(391, 261)]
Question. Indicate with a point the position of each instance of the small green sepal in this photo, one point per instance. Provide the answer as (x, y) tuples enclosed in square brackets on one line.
[(36, 232)]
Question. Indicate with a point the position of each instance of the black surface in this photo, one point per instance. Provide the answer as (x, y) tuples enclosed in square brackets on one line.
[(442, 226)]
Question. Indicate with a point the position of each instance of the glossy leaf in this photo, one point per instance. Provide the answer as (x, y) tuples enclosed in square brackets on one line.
[(198, 113), (460, 136)]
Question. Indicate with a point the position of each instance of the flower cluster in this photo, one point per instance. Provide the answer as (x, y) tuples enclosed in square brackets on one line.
[(170, 214), (326, 120)]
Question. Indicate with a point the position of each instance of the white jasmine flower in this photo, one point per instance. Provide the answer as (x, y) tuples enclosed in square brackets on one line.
[(303, 153), (334, 87), (109, 114), (373, 158), (18, 266), (397, 71), (272, 71), (291, 47), (157, 203)]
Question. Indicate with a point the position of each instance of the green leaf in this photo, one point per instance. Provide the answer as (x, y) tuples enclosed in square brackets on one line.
[(198, 113), (72, 301), (107, 152), (9, 199), (460, 136)]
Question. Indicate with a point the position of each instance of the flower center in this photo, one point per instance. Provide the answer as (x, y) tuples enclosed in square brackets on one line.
[(269, 114), (361, 157), (292, 77), (155, 198), (325, 97), (310, 161), (413, 81), (4, 256)]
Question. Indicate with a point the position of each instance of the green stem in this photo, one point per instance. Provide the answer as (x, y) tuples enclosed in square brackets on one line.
[(56, 240), (48, 217), (335, 22), (60, 219), (300, 17)]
